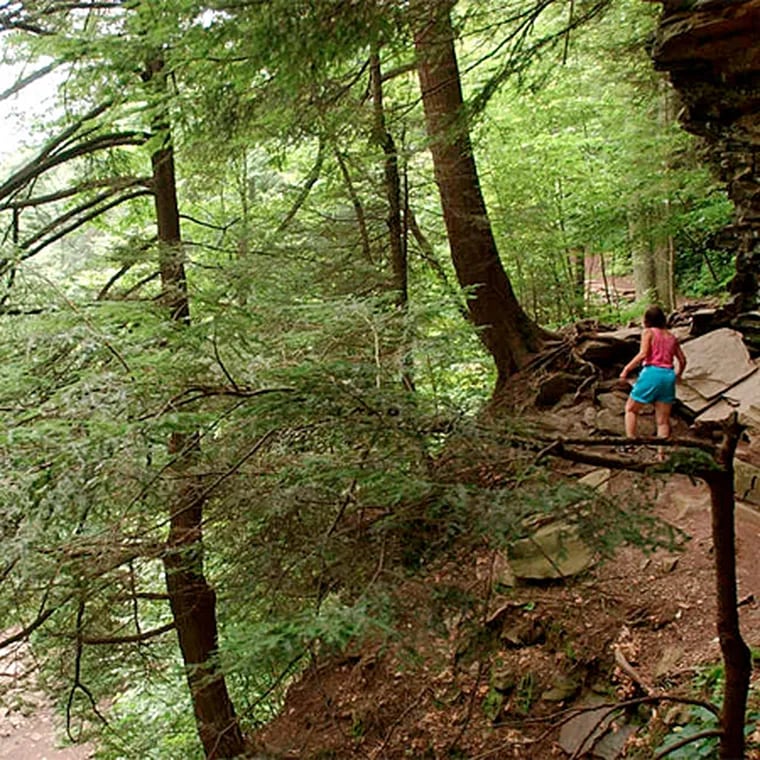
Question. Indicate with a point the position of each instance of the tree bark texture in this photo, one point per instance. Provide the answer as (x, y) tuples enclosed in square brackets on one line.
[(397, 232), (192, 600), (193, 605), (392, 186), (505, 329), (736, 655), (171, 261)]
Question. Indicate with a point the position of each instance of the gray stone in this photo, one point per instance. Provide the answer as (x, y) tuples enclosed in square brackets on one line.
[(609, 422), (715, 362), (746, 482), (592, 733), (589, 417), (504, 680), (525, 633), (578, 735), (668, 661), (553, 551), (612, 745), (743, 398), (607, 348), (614, 402), (564, 687), (500, 571), (599, 480)]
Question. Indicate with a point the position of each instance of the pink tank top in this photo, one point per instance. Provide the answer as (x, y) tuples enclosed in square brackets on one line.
[(662, 350)]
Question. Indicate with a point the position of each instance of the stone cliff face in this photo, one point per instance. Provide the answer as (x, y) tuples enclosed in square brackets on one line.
[(711, 49)]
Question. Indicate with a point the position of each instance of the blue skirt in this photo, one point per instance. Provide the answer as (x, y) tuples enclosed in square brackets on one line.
[(655, 384)]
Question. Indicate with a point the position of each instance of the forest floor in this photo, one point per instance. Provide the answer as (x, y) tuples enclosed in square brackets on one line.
[(658, 610), (500, 676), (29, 726), (378, 703)]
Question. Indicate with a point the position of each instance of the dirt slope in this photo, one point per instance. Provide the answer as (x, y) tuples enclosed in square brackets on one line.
[(446, 690)]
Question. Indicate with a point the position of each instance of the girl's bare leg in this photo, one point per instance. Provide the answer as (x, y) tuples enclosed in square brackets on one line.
[(662, 418), (632, 409)]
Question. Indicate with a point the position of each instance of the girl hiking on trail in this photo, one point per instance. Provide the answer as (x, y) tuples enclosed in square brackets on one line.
[(657, 380)]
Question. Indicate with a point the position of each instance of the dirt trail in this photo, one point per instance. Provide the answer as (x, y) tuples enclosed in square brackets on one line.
[(35, 737), (28, 726)]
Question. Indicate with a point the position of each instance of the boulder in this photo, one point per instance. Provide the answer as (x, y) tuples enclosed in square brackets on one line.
[(608, 348), (595, 732), (553, 551), (748, 324), (614, 402), (715, 362), (609, 423), (709, 48)]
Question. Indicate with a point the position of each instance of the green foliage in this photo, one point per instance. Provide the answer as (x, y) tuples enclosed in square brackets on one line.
[(321, 476), (707, 684), (571, 163)]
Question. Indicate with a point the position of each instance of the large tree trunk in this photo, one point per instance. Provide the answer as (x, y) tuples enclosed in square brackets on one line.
[(505, 329), (192, 600)]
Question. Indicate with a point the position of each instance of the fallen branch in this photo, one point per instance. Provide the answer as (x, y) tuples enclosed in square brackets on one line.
[(631, 672)]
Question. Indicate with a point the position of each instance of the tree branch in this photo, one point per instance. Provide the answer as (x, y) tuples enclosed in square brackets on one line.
[(361, 217), (27, 80), (117, 183), (133, 639), (46, 161), (70, 214), (78, 223), (688, 740), (311, 180)]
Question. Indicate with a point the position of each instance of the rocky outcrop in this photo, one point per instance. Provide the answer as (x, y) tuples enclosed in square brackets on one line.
[(711, 49)]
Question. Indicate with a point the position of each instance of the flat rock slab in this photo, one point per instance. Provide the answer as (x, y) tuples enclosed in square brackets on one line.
[(591, 734), (743, 398), (609, 347), (553, 551), (715, 362), (599, 480)]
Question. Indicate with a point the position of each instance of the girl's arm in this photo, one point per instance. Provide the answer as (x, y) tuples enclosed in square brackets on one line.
[(646, 343), (679, 354)]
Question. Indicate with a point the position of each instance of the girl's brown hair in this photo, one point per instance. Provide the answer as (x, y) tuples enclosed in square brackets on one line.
[(654, 316)]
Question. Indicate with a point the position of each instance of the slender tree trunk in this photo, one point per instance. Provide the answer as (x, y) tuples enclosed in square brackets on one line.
[(736, 654), (192, 600), (361, 217), (578, 263), (505, 329), (641, 254), (392, 186), (663, 244), (396, 231)]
